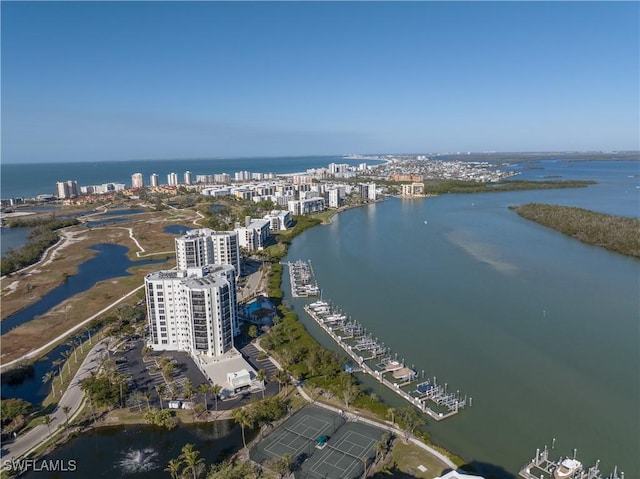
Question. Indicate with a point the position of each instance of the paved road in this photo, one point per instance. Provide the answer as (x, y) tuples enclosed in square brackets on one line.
[(73, 397)]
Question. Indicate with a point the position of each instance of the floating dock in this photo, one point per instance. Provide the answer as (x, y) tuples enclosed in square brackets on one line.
[(425, 394), (541, 467), (303, 280)]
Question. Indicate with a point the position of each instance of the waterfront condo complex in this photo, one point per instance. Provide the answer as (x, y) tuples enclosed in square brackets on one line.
[(201, 247), (193, 309)]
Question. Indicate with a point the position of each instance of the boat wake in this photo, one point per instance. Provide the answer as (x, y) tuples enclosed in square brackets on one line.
[(482, 252), (139, 460)]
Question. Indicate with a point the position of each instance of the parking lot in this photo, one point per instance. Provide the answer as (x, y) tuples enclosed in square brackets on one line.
[(146, 376)]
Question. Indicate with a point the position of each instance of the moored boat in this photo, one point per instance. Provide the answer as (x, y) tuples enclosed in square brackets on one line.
[(567, 469)]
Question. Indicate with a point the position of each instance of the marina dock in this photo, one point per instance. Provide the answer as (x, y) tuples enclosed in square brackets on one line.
[(541, 467), (303, 280), (373, 358)]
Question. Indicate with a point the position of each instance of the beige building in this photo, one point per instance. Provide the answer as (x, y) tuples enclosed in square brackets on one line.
[(413, 189)]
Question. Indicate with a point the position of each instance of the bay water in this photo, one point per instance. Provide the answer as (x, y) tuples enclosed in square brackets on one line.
[(541, 330)]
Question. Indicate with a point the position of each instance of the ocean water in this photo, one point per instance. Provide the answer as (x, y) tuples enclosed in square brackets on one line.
[(29, 180)]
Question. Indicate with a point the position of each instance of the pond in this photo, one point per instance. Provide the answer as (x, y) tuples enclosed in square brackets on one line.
[(110, 262), (140, 451), (177, 229)]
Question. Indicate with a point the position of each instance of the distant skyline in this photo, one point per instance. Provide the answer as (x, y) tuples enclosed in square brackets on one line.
[(99, 81)]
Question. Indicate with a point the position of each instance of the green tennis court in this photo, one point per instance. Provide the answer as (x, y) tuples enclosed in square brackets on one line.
[(343, 447)]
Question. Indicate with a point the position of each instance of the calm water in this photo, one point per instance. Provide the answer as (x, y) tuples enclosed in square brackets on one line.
[(29, 180), (110, 262), (142, 451), (541, 330), (12, 238), (177, 229)]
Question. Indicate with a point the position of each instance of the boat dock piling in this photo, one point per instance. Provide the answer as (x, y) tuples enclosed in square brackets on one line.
[(303, 280), (541, 467), (360, 343)]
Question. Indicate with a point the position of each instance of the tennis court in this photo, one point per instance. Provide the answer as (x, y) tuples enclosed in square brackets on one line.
[(342, 455)]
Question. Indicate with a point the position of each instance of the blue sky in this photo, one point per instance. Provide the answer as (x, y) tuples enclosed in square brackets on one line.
[(85, 81)]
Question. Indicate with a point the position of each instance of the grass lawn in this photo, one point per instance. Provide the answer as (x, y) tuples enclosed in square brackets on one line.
[(405, 459)]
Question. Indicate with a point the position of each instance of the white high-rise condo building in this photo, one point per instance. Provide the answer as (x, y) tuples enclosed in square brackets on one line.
[(172, 179), (67, 189), (187, 177), (155, 180), (137, 181), (202, 247), (255, 235), (192, 310)]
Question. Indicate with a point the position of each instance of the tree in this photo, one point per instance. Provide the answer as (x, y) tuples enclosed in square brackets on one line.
[(410, 420), (382, 446), (261, 375), (48, 377), (282, 377), (190, 458), (215, 390), (253, 331), (203, 389), (350, 390), (147, 397), (12, 408), (58, 363), (47, 420), (391, 412), (66, 410), (282, 465), (67, 356), (243, 418), (188, 389), (161, 389), (173, 468)]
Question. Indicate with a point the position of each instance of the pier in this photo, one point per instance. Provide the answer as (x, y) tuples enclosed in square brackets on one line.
[(541, 467), (424, 393), (303, 280)]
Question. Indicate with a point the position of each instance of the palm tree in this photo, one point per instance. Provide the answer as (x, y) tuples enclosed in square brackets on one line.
[(188, 389), (379, 448), (203, 389), (161, 389), (58, 362), (215, 390), (147, 396), (88, 331), (364, 464), (67, 356), (262, 376), (173, 468), (48, 377), (190, 458), (66, 410), (47, 420), (282, 377), (242, 417), (72, 343), (391, 412)]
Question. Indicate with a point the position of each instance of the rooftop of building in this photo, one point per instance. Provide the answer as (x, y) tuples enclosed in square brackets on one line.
[(217, 368)]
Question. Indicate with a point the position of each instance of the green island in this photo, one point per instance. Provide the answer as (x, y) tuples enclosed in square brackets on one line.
[(614, 233), (439, 187)]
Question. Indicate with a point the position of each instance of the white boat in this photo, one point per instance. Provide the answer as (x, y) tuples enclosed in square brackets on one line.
[(567, 469), (319, 305)]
